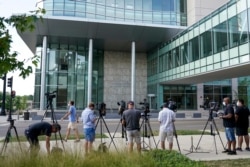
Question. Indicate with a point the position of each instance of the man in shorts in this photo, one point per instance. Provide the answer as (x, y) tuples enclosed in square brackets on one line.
[(38, 129), (229, 124), (242, 124), (73, 120), (166, 118), (131, 121), (88, 118)]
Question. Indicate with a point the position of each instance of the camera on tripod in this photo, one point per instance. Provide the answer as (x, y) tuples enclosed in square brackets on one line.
[(122, 107), (170, 104), (101, 107), (212, 106), (145, 106), (50, 95)]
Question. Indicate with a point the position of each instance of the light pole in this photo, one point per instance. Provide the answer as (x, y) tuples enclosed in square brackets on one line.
[(4, 96)]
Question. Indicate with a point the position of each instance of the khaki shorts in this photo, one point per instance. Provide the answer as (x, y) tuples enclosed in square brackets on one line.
[(72, 125), (169, 135), (134, 135)]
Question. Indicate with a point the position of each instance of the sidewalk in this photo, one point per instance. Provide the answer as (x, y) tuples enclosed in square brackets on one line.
[(205, 151)]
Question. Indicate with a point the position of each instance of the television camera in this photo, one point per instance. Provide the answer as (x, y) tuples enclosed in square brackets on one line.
[(170, 104), (122, 107), (101, 107), (145, 106), (212, 106), (51, 95)]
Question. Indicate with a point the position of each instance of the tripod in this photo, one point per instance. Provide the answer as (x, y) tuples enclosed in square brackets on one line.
[(212, 133), (101, 120), (8, 134), (50, 97), (145, 127), (124, 134)]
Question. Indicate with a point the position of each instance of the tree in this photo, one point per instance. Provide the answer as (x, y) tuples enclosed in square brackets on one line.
[(9, 61)]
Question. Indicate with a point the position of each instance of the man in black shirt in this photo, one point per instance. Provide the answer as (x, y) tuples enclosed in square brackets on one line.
[(38, 129), (242, 124), (229, 124), (131, 120)]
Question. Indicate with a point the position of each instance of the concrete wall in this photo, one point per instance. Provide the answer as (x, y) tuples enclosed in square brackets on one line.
[(117, 78), (197, 9)]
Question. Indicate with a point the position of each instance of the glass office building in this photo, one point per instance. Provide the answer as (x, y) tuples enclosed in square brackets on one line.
[(112, 50)]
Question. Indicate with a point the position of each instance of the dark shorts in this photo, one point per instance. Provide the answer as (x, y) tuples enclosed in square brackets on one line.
[(241, 131), (89, 134), (33, 140)]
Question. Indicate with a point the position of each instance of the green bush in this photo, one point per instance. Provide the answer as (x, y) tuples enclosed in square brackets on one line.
[(163, 158)]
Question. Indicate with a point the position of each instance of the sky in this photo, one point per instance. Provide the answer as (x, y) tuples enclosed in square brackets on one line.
[(7, 8)]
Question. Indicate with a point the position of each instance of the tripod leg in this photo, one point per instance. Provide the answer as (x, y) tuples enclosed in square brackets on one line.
[(116, 131), (151, 132), (124, 133), (215, 145), (109, 134), (218, 134), (17, 138), (202, 134), (6, 141), (175, 133)]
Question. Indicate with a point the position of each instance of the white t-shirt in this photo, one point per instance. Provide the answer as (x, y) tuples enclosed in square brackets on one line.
[(166, 118)]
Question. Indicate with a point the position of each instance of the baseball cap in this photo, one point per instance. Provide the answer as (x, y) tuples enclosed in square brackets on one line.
[(131, 102)]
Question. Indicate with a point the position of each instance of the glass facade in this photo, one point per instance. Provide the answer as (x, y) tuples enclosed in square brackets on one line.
[(167, 12), (219, 40), (217, 90), (67, 74), (184, 96), (243, 89)]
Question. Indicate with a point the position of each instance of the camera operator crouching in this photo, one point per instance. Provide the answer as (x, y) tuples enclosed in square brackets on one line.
[(131, 121)]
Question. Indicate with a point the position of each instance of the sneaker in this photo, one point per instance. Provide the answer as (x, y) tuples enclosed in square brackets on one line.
[(226, 151), (238, 149), (232, 153), (247, 149)]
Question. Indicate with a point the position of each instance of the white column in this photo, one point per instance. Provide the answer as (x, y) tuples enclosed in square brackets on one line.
[(235, 89), (133, 71), (43, 71), (90, 61)]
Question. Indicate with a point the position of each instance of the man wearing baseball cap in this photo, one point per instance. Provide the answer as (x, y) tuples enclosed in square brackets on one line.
[(131, 121)]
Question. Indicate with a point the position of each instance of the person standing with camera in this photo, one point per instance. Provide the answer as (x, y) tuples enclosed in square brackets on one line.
[(88, 118), (166, 118), (229, 124), (131, 121)]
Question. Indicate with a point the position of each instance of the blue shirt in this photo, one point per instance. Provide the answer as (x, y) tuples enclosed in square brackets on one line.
[(72, 115), (88, 118)]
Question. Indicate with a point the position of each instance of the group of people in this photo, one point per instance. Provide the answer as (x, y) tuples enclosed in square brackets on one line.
[(235, 120), (131, 121)]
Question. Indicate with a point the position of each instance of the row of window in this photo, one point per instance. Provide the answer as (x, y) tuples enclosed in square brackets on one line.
[(226, 35), (170, 12)]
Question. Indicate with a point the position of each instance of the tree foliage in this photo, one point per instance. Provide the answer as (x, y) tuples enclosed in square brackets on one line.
[(8, 60), (19, 102)]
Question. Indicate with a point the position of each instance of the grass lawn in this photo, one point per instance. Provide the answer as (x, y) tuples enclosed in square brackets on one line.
[(229, 163)]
